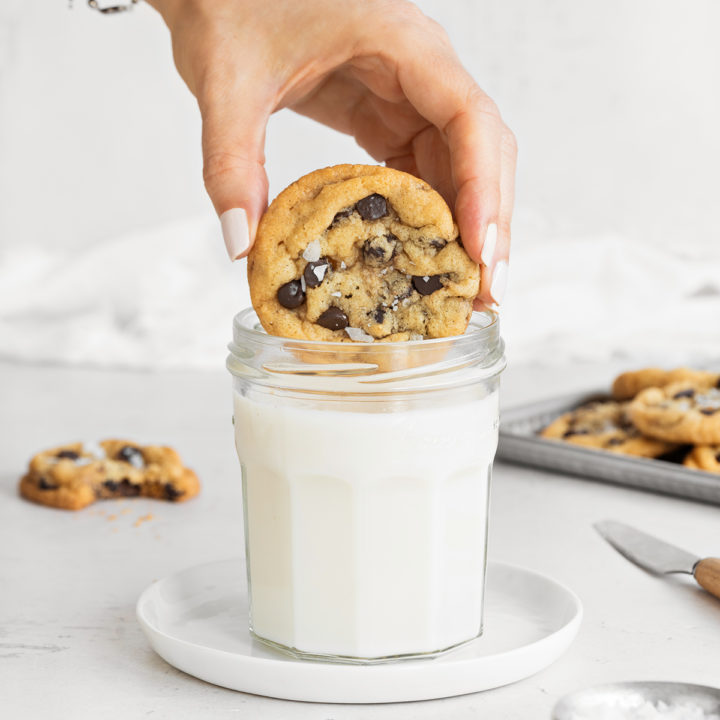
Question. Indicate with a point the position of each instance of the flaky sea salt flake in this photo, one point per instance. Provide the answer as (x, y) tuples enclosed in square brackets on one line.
[(358, 335), (95, 449), (312, 251), (320, 271)]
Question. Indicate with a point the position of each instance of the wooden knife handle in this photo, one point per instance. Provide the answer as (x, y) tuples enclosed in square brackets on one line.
[(707, 573)]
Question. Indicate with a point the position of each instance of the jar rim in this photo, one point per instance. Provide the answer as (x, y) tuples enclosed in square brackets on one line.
[(246, 326), (356, 367)]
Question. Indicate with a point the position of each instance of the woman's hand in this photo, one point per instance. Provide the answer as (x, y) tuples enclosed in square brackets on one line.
[(379, 70)]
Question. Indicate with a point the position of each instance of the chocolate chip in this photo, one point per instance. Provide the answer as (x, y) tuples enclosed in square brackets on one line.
[(291, 295), (684, 393), (378, 251), (111, 485), (379, 314), (314, 279), (333, 319), (709, 411), (341, 216), (172, 493), (571, 432), (132, 455), (372, 207), (614, 441), (438, 243), (69, 454), (43, 484), (676, 455), (428, 284), (717, 457), (128, 489), (717, 384)]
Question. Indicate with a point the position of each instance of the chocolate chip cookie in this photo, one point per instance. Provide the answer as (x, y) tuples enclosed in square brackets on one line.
[(605, 425), (704, 457), (361, 253), (681, 412), (75, 475), (628, 384)]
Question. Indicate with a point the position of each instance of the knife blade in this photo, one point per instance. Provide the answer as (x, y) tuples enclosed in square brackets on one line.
[(658, 556), (647, 551)]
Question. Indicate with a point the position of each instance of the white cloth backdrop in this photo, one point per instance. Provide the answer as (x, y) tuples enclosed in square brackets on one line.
[(595, 298), (109, 254)]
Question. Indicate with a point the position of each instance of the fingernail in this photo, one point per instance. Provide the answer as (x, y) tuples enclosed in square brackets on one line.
[(235, 232), (499, 281), (488, 249)]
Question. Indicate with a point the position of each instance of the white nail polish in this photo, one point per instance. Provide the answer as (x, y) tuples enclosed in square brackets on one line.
[(488, 249), (236, 232), (499, 281)]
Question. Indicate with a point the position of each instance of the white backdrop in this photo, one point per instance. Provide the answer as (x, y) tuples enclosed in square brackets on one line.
[(109, 253)]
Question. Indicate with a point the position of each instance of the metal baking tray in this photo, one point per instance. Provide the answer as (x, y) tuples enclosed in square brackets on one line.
[(521, 444)]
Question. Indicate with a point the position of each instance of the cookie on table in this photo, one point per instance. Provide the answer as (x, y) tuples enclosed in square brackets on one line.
[(704, 457), (628, 384), (75, 475), (605, 425), (681, 412), (361, 253)]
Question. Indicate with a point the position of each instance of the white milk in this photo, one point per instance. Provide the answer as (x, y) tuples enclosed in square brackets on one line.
[(366, 532)]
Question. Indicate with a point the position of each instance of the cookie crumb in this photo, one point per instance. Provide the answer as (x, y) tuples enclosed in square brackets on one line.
[(142, 519)]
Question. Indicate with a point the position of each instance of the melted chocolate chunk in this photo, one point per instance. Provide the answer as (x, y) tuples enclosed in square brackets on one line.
[(709, 411), (132, 455), (346, 213), (571, 432), (676, 455), (172, 493), (124, 488), (379, 251), (379, 314), (614, 441), (43, 484), (314, 279), (69, 454), (438, 243), (372, 207), (428, 284), (291, 295), (333, 319), (684, 394)]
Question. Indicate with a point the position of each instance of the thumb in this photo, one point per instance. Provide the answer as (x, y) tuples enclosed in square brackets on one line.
[(233, 139)]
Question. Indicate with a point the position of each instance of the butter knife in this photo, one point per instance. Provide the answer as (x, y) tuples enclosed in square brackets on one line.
[(659, 557)]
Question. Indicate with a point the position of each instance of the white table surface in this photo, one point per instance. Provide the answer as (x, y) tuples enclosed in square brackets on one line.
[(70, 646)]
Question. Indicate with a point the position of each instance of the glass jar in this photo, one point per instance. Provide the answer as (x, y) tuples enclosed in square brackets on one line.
[(365, 471)]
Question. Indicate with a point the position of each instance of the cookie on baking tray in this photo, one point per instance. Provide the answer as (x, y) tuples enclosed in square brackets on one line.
[(75, 475), (682, 412), (363, 253), (628, 384), (605, 425), (704, 457)]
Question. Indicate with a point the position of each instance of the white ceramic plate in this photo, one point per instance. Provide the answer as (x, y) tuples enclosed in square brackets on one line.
[(197, 620)]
